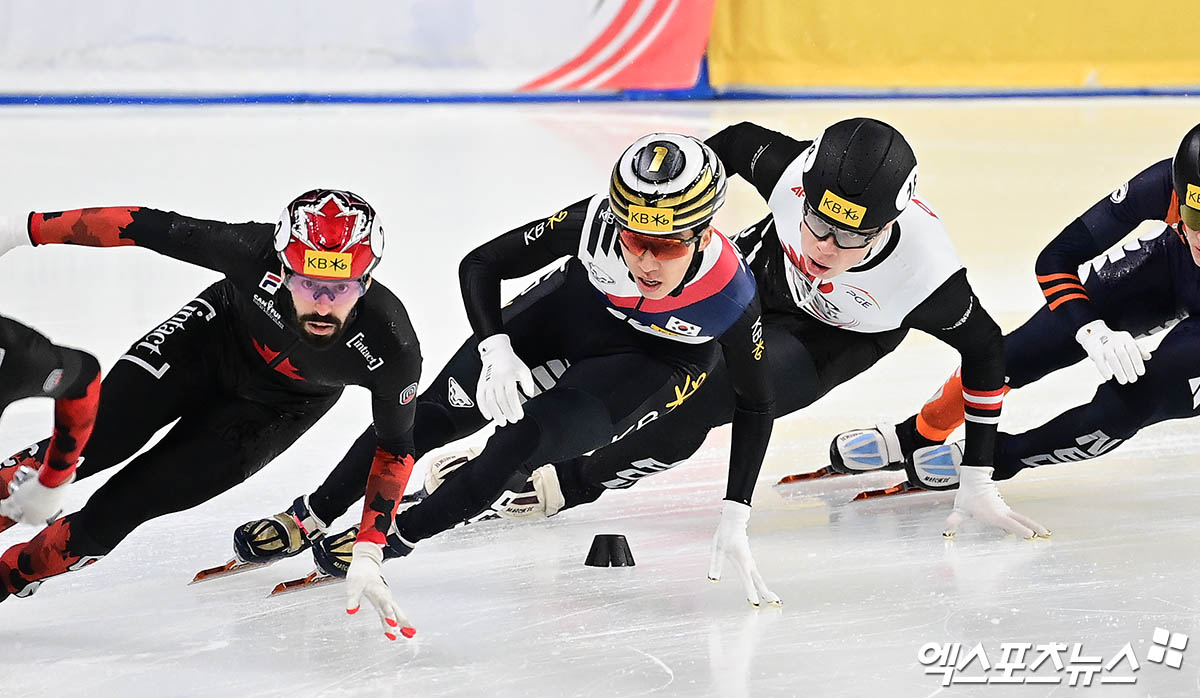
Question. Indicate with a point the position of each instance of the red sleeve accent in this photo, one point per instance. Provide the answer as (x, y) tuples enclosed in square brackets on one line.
[(1060, 288), (73, 423), (385, 485), (93, 227), (1172, 216)]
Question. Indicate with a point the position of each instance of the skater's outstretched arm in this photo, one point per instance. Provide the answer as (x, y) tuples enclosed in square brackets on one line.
[(225, 247), (1148, 196), (758, 154)]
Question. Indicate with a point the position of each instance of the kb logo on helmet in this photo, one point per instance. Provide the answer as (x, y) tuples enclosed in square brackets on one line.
[(835, 206), (1193, 196), (334, 265), (658, 220)]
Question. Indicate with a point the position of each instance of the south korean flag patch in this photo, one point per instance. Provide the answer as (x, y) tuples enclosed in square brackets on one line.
[(686, 329)]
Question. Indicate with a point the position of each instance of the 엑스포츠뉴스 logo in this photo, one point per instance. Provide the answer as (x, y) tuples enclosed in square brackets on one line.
[(1047, 663)]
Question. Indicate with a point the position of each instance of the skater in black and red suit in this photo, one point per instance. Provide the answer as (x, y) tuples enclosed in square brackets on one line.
[(32, 366), (246, 367)]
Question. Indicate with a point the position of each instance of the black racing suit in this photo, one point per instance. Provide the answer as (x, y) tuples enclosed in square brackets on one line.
[(600, 377), (232, 368), (33, 366), (807, 357), (1145, 286)]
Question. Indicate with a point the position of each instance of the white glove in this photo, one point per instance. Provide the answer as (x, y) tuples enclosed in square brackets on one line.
[(731, 540), (979, 497), (31, 502), (13, 232), (364, 578), (1114, 353), (497, 394)]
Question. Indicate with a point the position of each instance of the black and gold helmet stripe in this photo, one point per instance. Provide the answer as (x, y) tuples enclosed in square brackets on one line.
[(684, 204)]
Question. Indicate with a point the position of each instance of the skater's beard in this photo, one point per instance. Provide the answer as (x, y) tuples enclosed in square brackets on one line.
[(320, 341)]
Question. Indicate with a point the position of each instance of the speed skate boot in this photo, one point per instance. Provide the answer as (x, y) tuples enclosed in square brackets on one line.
[(930, 468), (9, 468), (444, 466), (864, 450), (285, 534), (57, 549), (534, 497), (333, 554), (935, 467)]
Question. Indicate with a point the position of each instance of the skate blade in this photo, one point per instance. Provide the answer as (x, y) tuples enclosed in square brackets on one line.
[(814, 475), (902, 488), (227, 570), (313, 579), (414, 497)]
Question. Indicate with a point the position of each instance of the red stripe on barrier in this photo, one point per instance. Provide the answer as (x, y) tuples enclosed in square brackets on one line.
[(610, 32), (656, 14)]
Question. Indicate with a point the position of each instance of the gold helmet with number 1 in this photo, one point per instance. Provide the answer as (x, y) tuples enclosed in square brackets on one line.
[(666, 183)]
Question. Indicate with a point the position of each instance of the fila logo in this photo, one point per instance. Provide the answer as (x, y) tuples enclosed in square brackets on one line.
[(270, 283), (458, 397), (1194, 384)]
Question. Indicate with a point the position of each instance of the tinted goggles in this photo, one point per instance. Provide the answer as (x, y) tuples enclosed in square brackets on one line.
[(842, 237), (340, 291), (659, 247), (1190, 216)]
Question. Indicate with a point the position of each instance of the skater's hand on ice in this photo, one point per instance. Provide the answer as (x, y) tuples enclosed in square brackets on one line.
[(502, 372), (979, 498), (731, 539), (1116, 354), (31, 502), (366, 579)]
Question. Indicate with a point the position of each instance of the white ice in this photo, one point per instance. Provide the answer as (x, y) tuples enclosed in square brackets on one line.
[(508, 609)]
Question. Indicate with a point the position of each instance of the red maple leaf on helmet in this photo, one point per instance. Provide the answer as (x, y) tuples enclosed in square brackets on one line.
[(331, 226)]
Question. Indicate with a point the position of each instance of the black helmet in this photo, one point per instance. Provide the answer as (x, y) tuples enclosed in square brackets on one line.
[(666, 183), (1185, 171), (859, 174)]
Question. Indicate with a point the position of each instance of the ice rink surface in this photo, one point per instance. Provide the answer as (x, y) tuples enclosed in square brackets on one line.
[(508, 609)]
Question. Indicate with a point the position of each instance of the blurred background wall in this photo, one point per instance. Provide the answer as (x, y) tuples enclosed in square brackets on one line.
[(363, 50)]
